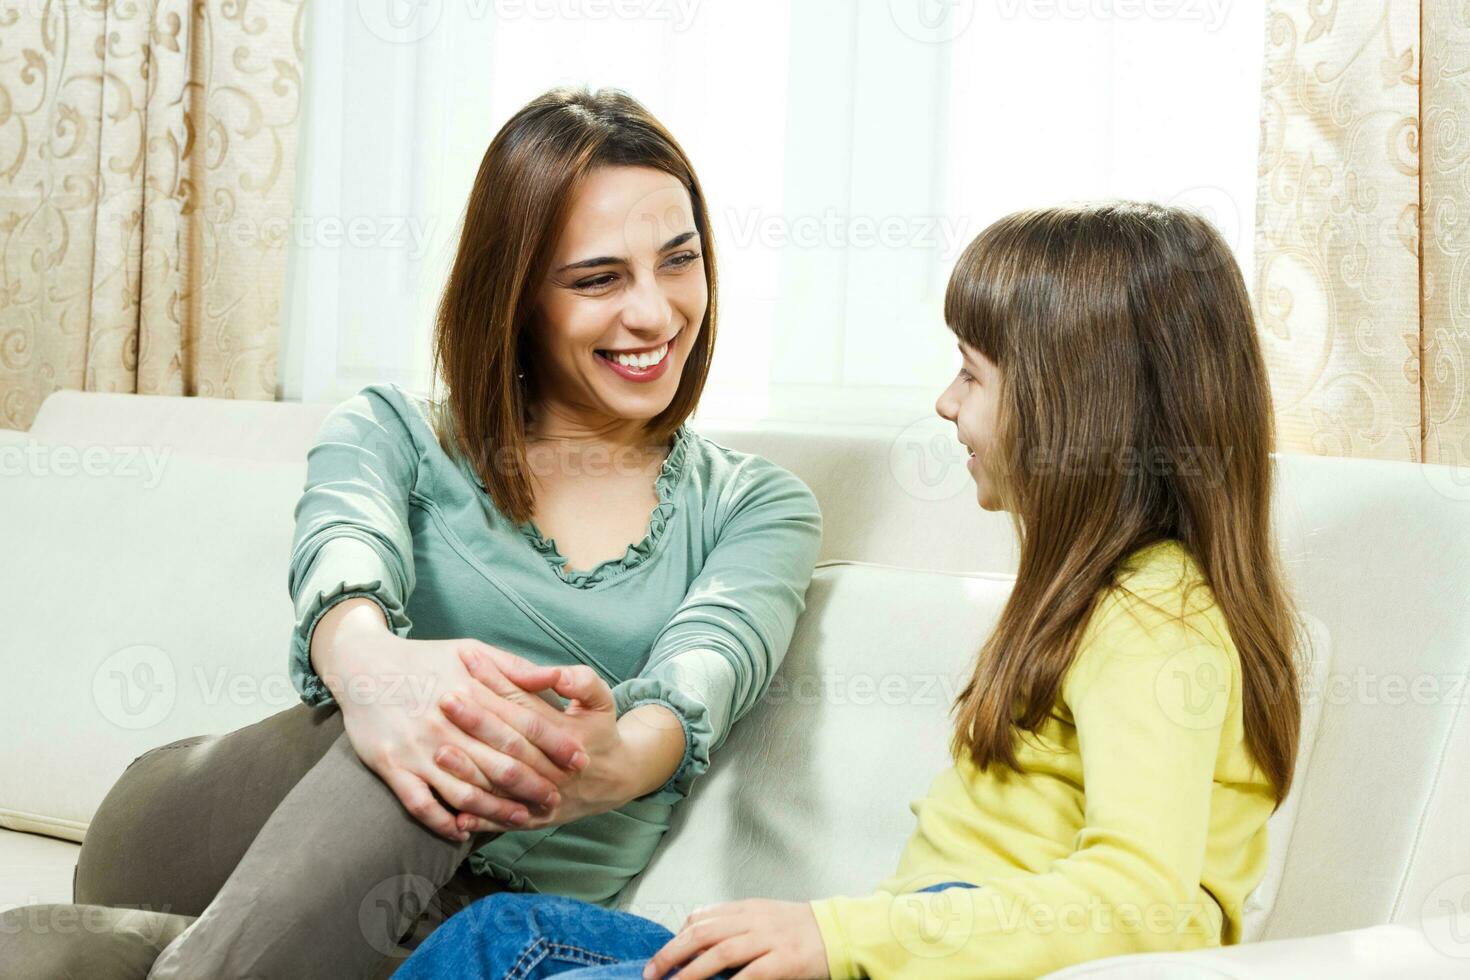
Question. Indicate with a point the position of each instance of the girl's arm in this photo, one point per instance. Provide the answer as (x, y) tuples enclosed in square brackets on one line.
[(1149, 696)]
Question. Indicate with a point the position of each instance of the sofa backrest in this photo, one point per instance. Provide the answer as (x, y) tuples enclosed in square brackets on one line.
[(1379, 552)]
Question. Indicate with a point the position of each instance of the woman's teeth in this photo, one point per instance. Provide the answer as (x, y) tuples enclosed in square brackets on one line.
[(641, 362)]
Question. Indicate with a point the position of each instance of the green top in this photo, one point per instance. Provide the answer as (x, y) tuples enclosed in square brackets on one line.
[(697, 616)]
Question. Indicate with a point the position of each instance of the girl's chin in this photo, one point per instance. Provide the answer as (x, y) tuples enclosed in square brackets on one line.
[(986, 500)]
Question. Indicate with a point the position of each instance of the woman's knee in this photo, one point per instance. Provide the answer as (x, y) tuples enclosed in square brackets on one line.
[(172, 827)]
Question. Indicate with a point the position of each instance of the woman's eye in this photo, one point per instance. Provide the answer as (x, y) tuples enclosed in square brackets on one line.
[(965, 376), (683, 259), (595, 281)]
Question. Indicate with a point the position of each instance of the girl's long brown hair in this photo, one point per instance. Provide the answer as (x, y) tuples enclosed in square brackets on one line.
[(515, 212), (1122, 331)]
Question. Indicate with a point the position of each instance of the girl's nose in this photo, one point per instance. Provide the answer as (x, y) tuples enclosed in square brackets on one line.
[(945, 405)]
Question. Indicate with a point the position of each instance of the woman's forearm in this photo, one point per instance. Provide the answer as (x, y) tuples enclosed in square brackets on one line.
[(653, 737), (347, 618)]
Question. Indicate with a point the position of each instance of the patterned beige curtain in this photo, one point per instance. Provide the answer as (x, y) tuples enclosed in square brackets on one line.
[(1363, 226), (146, 175)]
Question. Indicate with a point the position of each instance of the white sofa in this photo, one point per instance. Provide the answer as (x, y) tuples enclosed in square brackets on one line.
[(145, 600)]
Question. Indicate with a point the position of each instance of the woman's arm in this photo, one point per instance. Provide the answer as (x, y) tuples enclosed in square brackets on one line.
[(710, 664), (351, 574), (716, 657), (352, 616), (352, 538)]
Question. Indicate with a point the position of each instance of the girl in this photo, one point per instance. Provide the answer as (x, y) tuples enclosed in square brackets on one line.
[(551, 525), (1132, 721)]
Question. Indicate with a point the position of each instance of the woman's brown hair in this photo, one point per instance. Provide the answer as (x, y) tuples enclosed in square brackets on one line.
[(1122, 332), (515, 212)]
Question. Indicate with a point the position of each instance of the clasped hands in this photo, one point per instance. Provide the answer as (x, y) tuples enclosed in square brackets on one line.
[(535, 765), (563, 764)]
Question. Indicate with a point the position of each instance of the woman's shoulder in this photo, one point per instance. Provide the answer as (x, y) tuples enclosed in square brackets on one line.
[(386, 419), (387, 400)]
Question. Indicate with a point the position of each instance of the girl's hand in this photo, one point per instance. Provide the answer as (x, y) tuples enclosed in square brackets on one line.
[(590, 718), (387, 702), (771, 940)]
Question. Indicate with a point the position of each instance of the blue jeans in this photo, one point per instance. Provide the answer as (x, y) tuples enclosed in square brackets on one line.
[(516, 936)]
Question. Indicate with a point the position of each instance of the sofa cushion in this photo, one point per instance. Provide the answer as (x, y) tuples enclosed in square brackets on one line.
[(1314, 659), (153, 606), (35, 870)]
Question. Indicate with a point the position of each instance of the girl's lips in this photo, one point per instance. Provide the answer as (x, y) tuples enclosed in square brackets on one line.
[(633, 374)]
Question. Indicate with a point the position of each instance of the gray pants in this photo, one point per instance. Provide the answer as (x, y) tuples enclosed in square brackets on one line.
[(272, 852)]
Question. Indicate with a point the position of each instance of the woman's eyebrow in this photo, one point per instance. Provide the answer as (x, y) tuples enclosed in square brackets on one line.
[(674, 242)]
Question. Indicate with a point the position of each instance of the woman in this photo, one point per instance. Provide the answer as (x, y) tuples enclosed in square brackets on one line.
[(551, 524)]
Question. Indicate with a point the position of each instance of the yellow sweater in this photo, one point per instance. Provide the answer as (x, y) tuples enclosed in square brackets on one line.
[(1139, 825)]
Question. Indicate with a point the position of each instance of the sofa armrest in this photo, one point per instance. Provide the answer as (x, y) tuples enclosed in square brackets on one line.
[(1382, 951)]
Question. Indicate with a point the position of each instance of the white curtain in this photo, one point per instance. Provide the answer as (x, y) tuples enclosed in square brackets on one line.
[(849, 150)]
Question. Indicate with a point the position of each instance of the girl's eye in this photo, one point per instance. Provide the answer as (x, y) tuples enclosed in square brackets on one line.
[(965, 376), (682, 259), (595, 282)]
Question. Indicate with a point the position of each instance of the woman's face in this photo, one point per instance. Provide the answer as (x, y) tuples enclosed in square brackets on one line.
[(624, 299), (971, 402)]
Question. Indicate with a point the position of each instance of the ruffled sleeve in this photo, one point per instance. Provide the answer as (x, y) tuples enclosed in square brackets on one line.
[(352, 536)]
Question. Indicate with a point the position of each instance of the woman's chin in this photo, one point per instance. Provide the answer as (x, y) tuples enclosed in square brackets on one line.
[(641, 405)]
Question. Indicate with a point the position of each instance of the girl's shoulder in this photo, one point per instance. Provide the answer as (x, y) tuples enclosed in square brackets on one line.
[(1161, 581), (1159, 609)]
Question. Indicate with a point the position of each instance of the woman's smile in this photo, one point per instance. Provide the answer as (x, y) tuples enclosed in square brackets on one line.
[(639, 365)]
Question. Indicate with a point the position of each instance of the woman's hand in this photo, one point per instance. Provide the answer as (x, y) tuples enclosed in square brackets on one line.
[(771, 940), (590, 717), (387, 694)]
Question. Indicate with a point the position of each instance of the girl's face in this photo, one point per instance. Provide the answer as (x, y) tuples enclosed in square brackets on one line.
[(624, 299), (971, 402)]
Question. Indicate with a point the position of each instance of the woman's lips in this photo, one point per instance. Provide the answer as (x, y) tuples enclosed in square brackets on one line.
[(635, 375)]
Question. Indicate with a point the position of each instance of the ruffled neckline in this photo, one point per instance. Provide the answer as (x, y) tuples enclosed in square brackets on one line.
[(664, 486)]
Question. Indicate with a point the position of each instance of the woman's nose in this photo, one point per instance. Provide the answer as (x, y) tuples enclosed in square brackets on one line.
[(647, 307)]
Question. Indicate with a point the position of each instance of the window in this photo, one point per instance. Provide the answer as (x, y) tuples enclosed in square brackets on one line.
[(849, 150)]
